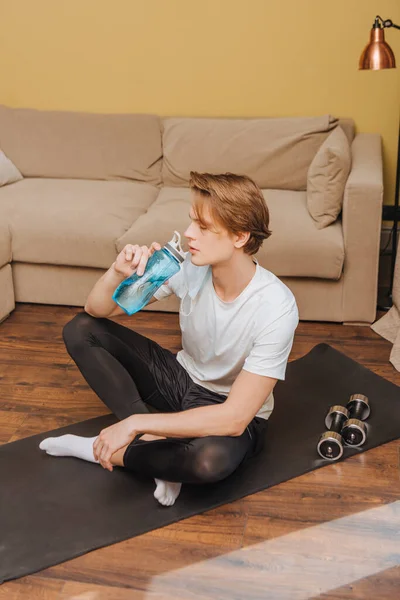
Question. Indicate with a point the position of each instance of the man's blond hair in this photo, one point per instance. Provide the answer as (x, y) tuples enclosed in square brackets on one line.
[(235, 202)]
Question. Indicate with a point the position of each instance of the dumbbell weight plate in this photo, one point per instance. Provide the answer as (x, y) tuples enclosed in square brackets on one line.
[(330, 445), (333, 411), (354, 432)]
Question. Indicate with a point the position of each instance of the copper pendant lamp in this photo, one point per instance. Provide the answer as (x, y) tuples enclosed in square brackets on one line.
[(378, 54), (375, 56)]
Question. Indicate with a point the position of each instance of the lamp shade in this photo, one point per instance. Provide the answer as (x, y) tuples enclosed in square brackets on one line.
[(377, 54)]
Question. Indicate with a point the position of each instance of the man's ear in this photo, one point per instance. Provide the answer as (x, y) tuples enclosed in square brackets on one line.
[(241, 239)]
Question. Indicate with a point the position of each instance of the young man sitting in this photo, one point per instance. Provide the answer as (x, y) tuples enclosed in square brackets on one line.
[(214, 397)]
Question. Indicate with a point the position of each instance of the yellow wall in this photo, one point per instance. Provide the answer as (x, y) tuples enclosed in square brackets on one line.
[(202, 57)]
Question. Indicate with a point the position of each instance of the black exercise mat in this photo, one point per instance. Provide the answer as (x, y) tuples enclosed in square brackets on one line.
[(54, 509)]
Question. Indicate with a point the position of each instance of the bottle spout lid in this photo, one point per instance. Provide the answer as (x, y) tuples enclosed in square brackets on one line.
[(175, 248)]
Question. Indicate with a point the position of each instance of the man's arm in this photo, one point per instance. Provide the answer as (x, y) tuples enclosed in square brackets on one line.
[(250, 390), (132, 259), (230, 418), (247, 395)]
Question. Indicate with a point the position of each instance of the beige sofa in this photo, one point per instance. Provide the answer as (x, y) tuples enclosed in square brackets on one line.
[(92, 183)]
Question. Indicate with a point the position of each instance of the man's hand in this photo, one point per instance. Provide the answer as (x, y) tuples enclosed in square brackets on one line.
[(110, 440), (133, 259)]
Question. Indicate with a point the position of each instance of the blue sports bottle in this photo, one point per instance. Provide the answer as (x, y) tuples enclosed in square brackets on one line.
[(135, 292)]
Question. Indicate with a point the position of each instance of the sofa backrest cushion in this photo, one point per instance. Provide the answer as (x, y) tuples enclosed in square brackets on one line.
[(275, 152), (71, 222), (82, 145), (296, 247)]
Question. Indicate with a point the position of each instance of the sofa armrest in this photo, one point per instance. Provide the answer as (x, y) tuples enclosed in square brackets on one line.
[(362, 220), (7, 298)]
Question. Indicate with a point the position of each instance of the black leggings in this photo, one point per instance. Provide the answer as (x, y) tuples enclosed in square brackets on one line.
[(132, 374)]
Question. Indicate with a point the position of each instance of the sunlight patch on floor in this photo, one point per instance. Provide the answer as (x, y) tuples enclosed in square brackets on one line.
[(296, 566)]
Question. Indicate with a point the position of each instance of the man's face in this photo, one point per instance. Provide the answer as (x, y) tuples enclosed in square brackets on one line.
[(209, 243)]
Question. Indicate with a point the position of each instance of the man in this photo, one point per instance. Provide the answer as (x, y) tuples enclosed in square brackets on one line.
[(214, 398)]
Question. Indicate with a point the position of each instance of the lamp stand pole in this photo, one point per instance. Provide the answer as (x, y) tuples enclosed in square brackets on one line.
[(385, 301), (378, 55), (395, 220)]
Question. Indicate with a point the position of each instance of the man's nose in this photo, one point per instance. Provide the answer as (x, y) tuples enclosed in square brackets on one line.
[(187, 233)]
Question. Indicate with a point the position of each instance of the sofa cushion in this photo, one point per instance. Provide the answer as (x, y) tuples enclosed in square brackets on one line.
[(169, 212), (81, 145), (71, 222), (327, 178), (8, 171), (275, 152), (5, 243), (295, 249)]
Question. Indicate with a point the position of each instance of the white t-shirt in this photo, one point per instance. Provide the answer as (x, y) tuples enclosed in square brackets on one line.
[(253, 332)]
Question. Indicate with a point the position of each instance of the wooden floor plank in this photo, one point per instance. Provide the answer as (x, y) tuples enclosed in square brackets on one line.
[(32, 587), (76, 590), (226, 552), (34, 424), (10, 422), (382, 586)]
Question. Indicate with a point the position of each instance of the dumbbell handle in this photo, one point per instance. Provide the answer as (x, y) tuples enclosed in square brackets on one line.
[(356, 411), (335, 418), (337, 422), (358, 407)]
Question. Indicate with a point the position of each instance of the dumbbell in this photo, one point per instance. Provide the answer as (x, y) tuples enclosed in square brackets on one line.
[(330, 444), (354, 431)]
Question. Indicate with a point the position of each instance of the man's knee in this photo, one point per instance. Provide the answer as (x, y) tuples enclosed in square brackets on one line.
[(76, 330), (212, 463)]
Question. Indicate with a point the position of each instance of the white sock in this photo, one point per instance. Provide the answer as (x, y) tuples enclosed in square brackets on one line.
[(167, 492), (70, 445)]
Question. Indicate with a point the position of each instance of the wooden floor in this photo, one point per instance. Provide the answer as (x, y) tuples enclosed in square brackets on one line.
[(331, 534)]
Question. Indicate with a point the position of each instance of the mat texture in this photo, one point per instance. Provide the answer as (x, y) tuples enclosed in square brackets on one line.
[(54, 509)]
